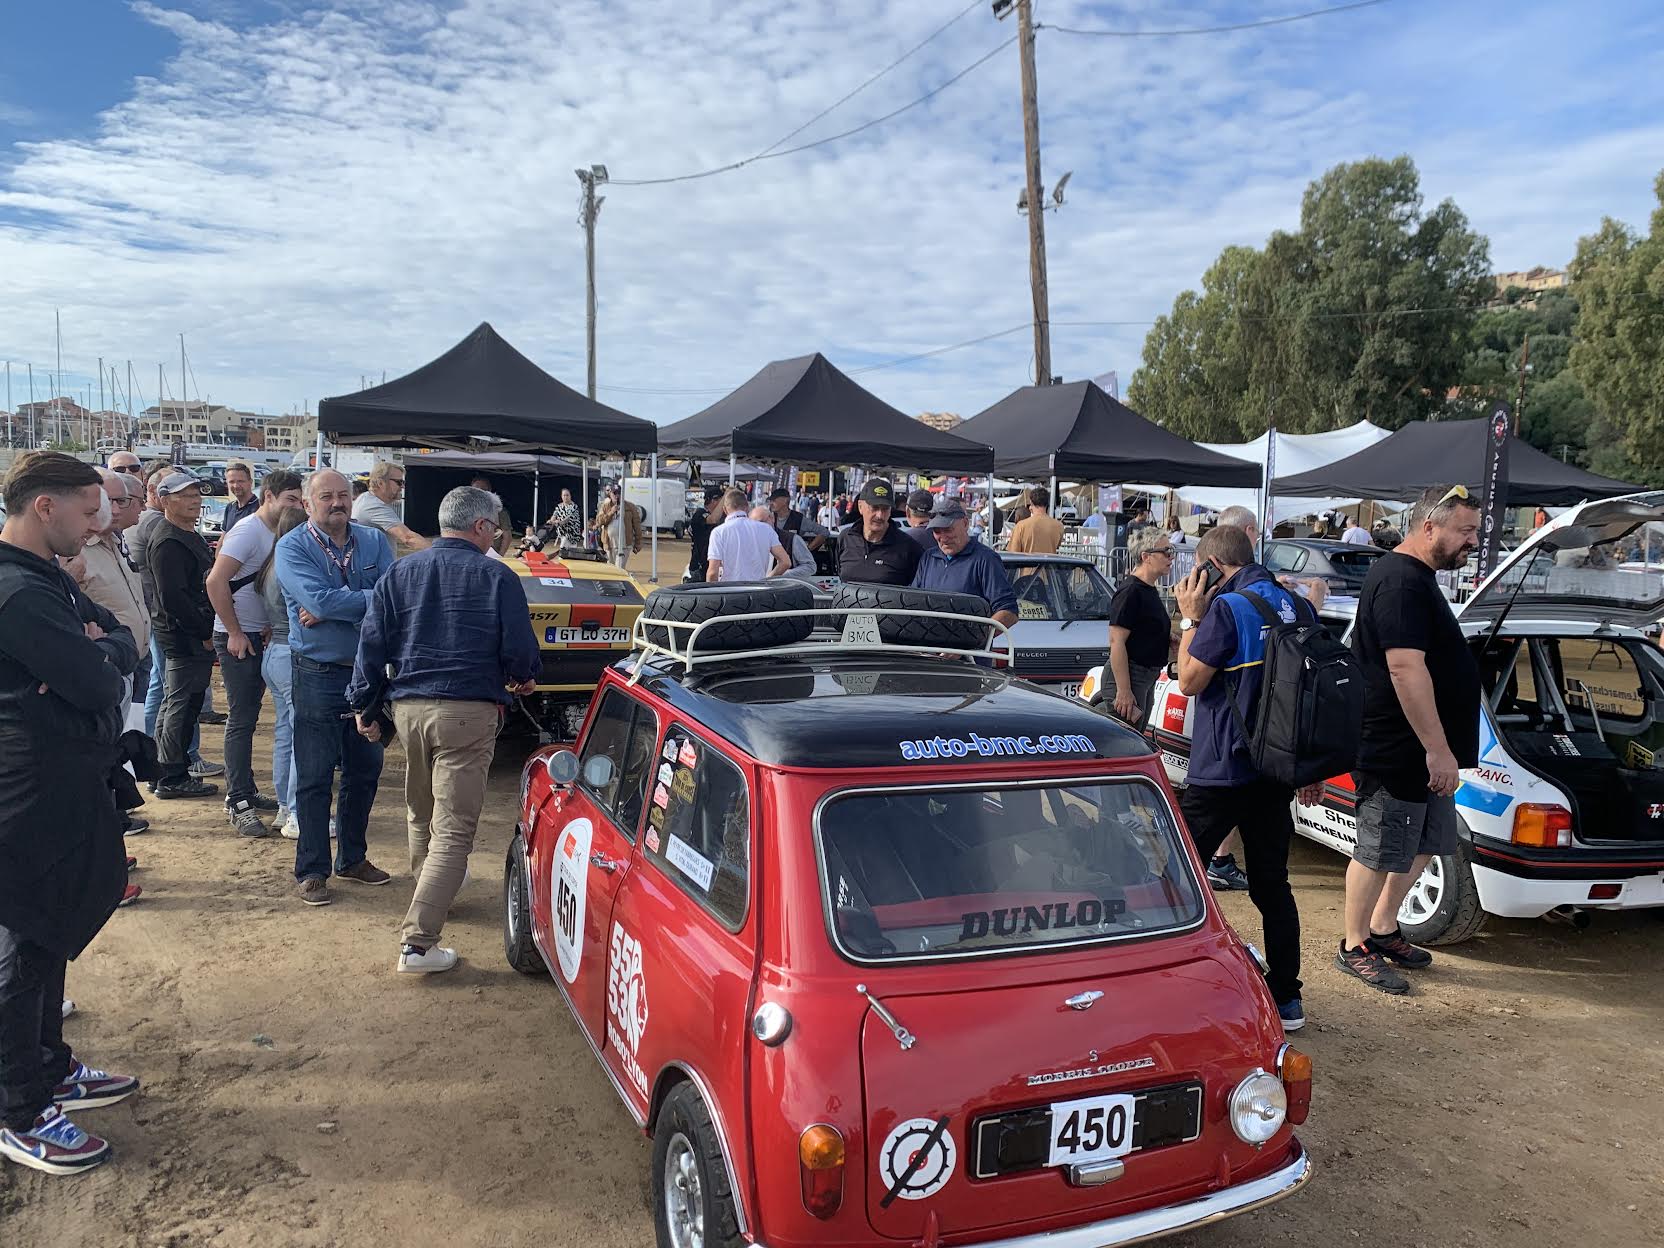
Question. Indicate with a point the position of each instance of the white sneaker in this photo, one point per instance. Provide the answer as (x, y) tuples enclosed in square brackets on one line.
[(434, 960), (69, 1007), (333, 834), (289, 829)]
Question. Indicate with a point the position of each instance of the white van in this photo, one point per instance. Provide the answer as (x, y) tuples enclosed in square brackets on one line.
[(671, 515)]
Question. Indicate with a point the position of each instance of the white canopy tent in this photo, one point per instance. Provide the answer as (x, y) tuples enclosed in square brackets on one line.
[(1296, 452)]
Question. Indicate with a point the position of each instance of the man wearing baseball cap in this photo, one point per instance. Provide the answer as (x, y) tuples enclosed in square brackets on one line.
[(919, 503), (183, 624), (700, 526), (875, 551), (961, 564)]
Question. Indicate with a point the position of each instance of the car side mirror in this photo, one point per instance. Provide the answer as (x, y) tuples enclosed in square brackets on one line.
[(598, 772), (562, 766)]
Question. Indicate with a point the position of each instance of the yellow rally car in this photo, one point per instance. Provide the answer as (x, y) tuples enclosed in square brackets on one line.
[(582, 609)]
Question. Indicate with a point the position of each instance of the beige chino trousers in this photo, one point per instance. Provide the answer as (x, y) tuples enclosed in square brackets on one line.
[(448, 748)]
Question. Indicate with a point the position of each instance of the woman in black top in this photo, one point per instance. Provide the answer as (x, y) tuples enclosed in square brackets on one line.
[(1140, 630)]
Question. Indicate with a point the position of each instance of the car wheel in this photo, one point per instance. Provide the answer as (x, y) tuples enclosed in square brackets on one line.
[(696, 603), (693, 1206), (917, 630), (1442, 906), (517, 913)]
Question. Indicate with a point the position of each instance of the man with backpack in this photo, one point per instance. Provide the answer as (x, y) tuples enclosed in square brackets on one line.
[(1235, 620)]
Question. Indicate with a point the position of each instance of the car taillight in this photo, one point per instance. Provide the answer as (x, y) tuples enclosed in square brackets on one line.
[(1295, 1068), (1542, 825), (1605, 892), (820, 1158)]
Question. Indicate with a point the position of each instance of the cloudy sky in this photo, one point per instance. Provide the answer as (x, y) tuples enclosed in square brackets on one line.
[(315, 192)]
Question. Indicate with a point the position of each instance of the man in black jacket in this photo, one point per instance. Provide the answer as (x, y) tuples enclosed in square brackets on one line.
[(184, 626), (63, 667)]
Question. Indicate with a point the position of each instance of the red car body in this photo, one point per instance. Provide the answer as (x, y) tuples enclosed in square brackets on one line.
[(669, 980)]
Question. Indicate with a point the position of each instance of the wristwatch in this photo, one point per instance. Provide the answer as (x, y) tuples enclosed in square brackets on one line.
[(1186, 624)]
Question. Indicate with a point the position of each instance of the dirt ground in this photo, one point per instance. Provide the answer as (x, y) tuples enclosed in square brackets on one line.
[(298, 1093)]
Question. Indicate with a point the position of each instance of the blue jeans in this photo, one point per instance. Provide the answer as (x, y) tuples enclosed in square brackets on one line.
[(153, 697), (275, 667), (325, 738)]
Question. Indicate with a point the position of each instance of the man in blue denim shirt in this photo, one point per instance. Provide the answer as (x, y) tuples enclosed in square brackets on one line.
[(328, 568), (447, 641)]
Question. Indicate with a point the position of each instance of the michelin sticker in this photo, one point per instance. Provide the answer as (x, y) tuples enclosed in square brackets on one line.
[(917, 1159), (571, 885), (626, 1003), (995, 747)]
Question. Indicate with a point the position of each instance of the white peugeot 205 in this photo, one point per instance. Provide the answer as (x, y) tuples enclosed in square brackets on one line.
[(1564, 812)]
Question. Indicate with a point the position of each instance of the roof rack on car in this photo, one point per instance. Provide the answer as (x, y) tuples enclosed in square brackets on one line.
[(860, 633)]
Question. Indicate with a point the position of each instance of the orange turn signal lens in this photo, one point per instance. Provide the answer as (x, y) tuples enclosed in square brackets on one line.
[(820, 1157), (1295, 1068), (1542, 825), (821, 1148)]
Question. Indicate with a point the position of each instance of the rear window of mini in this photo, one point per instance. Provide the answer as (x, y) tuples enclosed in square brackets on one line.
[(958, 871)]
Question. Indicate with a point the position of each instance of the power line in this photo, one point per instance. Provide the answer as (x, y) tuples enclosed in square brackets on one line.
[(1214, 30), (831, 138), (940, 30)]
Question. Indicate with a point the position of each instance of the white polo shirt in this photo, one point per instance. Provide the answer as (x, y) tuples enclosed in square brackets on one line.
[(744, 546)]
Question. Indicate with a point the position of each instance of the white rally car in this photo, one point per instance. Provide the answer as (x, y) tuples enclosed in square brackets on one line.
[(1565, 810)]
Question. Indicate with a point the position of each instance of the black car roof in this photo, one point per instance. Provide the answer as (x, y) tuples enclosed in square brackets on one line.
[(876, 711), (1007, 556), (1326, 544)]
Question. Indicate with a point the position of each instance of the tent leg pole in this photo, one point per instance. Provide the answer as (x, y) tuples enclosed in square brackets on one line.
[(731, 469), (654, 575), (536, 478), (583, 489)]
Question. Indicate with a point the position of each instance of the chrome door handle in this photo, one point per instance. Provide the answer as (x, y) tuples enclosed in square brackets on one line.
[(604, 863), (1083, 1001)]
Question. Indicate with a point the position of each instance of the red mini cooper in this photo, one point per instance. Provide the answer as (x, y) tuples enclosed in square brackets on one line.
[(885, 947)]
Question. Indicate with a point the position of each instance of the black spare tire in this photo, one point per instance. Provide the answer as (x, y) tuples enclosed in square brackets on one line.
[(917, 630), (696, 603)]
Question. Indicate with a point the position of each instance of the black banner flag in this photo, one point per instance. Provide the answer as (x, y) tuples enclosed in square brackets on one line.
[(1494, 489)]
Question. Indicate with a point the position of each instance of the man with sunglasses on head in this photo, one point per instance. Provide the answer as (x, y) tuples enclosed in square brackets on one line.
[(1420, 728)]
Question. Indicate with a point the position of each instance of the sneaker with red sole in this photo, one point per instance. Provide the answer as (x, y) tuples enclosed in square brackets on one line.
[(132, 863), (129, 895), (86, 1088), (54, 1144)]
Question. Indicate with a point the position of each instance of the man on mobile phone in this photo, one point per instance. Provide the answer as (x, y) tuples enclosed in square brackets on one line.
[(1221, 660)]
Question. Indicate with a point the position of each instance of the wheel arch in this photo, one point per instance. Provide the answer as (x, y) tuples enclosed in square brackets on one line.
[(676, 1074)]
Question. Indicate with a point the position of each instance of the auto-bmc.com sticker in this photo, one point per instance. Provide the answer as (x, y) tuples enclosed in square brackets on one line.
[(570, 880), (626, 1003), (917, 1159)]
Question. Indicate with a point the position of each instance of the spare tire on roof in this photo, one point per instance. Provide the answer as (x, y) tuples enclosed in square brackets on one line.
[(696, 603), (917, 630)]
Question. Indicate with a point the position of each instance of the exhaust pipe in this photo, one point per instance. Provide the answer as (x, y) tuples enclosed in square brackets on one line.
[(1572, 916)]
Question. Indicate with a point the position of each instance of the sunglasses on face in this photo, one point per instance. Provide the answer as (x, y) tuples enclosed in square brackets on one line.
[(132, 468)]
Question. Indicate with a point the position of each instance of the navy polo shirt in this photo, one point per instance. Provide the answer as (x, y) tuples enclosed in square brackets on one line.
[(1231, 638), (974, 570)]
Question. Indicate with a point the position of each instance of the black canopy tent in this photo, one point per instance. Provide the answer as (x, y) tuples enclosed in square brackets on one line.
[(483, 395), (1448, 452), (804, 411), (1076, 431)]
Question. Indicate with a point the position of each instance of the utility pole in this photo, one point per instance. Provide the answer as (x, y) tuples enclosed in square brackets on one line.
[(589, 206), (1525, 367), (1036, 211)]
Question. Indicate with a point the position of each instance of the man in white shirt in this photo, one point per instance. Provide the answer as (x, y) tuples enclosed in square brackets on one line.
[(743, 549), (378, 508), (1356, 534), (240, 631)]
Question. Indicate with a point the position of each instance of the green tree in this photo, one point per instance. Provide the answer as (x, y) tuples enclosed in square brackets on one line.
[(1363, 312), (1618, 355)]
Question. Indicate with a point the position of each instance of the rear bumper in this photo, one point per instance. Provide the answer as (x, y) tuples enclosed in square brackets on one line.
[(1516, 897), (1136, 1228)]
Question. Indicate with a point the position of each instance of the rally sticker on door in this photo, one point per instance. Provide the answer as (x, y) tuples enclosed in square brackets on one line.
[(570, 883), (626, 1002), (917, 1159)]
